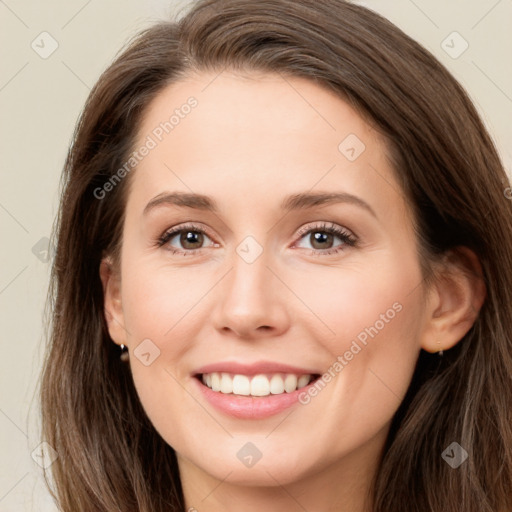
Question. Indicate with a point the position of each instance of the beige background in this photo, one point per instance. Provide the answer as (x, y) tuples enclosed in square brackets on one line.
[(40, 99)]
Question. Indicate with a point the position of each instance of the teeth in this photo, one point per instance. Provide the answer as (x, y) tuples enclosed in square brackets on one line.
[(276, 385), (241, 385), (215, 381), (258, 385), (226, 383), (290, 383), (302, 381)]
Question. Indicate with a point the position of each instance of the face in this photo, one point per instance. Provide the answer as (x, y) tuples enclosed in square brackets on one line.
[(288, 279)]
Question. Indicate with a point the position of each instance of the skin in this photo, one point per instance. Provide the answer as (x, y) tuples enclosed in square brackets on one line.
[(251, 141)]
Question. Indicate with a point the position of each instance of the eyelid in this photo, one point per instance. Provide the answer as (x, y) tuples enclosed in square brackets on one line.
[(323, 225)]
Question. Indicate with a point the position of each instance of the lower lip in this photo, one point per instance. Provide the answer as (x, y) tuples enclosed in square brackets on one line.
[(248, 407)]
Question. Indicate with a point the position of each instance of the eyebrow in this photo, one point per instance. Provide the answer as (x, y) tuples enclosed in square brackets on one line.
[(300, 201)]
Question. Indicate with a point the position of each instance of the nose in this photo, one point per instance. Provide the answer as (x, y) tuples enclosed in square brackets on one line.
[(252, 301)]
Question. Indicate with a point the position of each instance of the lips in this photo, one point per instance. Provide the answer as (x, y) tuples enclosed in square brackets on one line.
[(253, 391), (263, 367)]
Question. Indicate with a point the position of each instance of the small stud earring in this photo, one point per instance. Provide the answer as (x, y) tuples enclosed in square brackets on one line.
[(440, 353), (124, 353)]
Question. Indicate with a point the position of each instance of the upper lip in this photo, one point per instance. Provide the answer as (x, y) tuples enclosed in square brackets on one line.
[(254, 368)]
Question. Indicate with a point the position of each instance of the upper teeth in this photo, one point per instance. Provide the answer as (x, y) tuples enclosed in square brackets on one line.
[(257, 385)]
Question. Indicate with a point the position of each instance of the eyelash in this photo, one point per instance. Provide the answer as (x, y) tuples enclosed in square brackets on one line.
[(344, 235)]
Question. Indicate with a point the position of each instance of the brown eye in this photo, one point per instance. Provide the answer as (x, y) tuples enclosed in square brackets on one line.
[(191, 239), (321, 240), (184, 240)]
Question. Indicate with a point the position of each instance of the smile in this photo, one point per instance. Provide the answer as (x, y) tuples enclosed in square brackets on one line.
[(255, 385), (253, 391)]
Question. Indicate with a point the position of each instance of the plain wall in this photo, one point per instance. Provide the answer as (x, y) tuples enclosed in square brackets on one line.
[(40, 100)]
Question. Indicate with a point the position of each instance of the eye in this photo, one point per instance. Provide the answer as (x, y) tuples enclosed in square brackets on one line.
[(321, 238), (189, 236)]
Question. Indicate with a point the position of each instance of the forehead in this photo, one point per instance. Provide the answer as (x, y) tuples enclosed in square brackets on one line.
[(270, 104), (259, 135)]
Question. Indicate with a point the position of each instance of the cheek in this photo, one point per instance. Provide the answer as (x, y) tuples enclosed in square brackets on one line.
[(378, 300), (157, 301), (371, 313), (375, 318), (160, 309)]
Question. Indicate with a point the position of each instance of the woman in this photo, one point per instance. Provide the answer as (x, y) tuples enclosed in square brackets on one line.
[(207, 353)]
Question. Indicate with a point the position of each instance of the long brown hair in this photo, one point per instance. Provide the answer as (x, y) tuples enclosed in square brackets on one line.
[(110, 456)]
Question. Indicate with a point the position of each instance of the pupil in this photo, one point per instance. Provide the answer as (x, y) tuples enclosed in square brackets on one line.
[(321, 237), (190, 237)]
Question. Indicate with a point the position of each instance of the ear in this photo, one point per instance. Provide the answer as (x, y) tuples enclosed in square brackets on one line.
[(111, 281), (455, 299)]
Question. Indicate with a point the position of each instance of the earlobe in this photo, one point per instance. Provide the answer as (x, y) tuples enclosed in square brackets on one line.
[(455, 300), (113, 310)]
